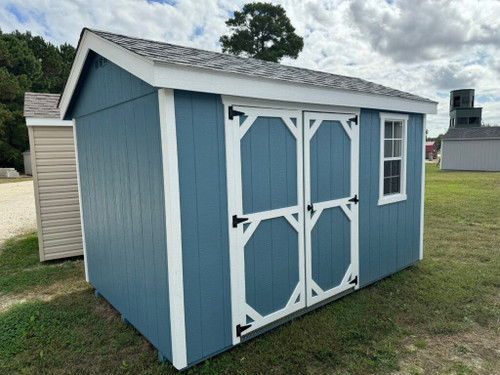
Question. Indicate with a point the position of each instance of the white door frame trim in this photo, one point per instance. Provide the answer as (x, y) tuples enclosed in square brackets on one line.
[(173, 226)]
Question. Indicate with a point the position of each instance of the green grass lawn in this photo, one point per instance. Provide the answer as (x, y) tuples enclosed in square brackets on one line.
[(441, 315)]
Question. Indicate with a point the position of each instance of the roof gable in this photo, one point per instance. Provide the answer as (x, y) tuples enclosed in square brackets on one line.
[(164, 65)]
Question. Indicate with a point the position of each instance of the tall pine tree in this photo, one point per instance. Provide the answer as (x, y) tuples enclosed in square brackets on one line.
[(27, 63)]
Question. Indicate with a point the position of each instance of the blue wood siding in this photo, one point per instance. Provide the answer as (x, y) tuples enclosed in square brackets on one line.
[(331, 248), (330, 152), (389, 235), (120, 161), (268, 166), (205, 248)]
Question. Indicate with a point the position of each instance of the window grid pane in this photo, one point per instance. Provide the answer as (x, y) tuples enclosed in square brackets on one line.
[(393, 156)]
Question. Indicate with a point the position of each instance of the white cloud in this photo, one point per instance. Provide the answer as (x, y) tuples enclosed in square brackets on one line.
[(425, 47)]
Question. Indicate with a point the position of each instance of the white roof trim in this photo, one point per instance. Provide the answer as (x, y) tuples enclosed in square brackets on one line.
[(189, 78), (43, 121)]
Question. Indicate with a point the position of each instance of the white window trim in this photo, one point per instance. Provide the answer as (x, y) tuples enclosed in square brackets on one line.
[(393, 198)]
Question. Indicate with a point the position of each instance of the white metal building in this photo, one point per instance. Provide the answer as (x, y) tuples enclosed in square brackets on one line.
[(471, 149)]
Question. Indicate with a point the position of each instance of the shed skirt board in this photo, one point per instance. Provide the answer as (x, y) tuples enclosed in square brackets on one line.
[(285, 254)]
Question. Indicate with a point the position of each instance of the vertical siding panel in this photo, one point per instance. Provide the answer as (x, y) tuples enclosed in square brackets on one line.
[(200, 136), (417, 183), (388, 234), (365, 145), (126, 222), (410, 187), (375, 219), (108, 188), (117, 121)]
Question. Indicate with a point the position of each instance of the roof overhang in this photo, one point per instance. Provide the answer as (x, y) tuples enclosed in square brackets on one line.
[(180, 77)]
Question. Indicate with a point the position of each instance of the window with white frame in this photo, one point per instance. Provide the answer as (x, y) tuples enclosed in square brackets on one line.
[(393, 129)]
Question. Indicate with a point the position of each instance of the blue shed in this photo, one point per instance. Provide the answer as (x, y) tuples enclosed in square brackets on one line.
[(222, 196)]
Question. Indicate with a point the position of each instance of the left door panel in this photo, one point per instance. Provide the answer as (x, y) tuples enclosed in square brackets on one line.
[(266, 215)]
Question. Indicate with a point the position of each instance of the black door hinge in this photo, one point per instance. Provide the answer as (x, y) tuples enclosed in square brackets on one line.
[(232, 113), (355, 199), (310, 207), (237, 220), (354, 281), (240, 329), (354, 119)]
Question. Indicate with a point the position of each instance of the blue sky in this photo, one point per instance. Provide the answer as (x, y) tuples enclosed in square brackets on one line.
[(425, 47)]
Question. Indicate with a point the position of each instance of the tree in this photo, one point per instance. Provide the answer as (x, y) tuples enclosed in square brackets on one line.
[(27, 63), (263, 31)]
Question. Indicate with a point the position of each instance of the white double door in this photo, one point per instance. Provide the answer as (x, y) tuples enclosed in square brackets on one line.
[(292, 209)]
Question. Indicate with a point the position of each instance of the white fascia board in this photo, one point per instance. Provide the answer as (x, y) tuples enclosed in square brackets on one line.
[(39, 121), (212, 81), (131, 62)]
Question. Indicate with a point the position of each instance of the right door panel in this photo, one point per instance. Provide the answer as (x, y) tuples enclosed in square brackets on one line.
[(331, 149)]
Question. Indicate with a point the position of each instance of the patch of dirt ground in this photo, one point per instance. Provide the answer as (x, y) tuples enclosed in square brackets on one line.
[(45, 293), (17, 209), (476, 351)]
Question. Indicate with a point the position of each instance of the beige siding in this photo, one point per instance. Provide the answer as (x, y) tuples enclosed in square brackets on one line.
[(56, 191)]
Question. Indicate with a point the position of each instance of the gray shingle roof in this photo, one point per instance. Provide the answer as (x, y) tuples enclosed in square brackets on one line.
[(473, 133), (41, 105), (173, 54)]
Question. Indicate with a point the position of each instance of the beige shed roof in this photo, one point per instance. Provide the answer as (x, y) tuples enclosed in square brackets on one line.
[(41, 105)]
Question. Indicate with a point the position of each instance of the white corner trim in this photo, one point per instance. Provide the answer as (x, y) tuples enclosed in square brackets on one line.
[(176, 76), (78, 179), (393, 198), (422, 191), (173, 227), (40, 121)]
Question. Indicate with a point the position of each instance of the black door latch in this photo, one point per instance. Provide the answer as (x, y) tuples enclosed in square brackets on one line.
[(354, 281), (355, 199), (237, 220), (310, 207)]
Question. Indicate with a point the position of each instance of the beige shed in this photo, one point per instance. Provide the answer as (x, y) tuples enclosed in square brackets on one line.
[(53, 162)]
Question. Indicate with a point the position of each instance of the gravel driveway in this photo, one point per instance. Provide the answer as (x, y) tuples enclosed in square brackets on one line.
[(17, 209)]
